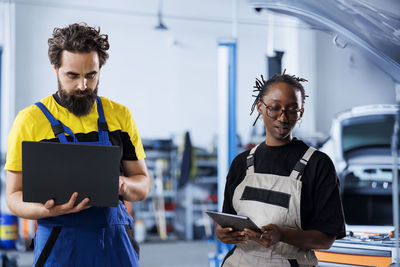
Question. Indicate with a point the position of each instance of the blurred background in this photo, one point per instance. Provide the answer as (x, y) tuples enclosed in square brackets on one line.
[(186, 70)]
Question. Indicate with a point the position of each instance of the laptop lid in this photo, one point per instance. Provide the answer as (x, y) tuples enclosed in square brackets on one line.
[(57, 170)]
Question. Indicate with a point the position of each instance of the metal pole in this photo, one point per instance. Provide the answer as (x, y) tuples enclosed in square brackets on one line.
[(227, 120), (395, 183)]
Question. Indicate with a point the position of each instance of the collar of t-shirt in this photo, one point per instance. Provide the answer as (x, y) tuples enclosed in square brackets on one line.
[(292, 142), (58, 99)]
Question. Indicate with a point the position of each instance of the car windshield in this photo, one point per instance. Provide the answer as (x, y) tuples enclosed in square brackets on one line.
[(367, 131)]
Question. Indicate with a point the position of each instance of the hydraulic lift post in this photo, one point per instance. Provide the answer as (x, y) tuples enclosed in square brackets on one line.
[(395, 183)]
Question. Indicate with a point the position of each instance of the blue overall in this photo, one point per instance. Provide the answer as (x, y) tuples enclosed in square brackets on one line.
[(98, 236)]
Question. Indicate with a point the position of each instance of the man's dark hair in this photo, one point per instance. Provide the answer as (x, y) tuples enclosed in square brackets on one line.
[(262, 86), (77, 37)]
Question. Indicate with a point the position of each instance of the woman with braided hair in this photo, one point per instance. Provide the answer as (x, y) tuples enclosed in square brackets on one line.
[(290, 190)]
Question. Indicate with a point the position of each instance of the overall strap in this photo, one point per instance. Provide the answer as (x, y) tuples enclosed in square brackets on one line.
[(57, 127), (102, 124), (250, 160), (55, 232), (298, 169)]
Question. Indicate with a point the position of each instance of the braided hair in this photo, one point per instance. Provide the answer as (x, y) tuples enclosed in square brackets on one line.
[(261, 86)]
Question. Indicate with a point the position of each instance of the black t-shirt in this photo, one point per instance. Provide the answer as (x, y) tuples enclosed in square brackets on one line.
[(320, 206)]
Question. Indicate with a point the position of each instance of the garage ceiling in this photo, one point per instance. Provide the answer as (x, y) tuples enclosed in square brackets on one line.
[(373, 26)]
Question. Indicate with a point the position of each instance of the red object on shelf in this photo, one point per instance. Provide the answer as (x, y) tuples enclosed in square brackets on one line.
[(213, 198), (170, 206), (170, 228)]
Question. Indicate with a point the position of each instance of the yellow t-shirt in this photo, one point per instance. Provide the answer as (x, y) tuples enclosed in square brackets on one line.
[(32, 125)]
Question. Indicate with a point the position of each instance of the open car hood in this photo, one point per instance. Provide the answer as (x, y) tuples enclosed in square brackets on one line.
[(373, 26)]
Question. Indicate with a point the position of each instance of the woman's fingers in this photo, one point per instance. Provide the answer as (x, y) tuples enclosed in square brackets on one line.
[(229, 236), (270, 236)]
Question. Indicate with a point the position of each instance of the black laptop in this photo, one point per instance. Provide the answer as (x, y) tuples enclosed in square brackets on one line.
[(57, 170)]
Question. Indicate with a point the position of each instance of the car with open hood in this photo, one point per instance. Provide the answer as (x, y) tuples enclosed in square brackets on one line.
[(360, 146)]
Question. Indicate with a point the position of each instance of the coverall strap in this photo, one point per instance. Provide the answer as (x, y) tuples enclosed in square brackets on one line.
[(101, 123), (48, 246), (298, 169), (58, 127), (250, 160)]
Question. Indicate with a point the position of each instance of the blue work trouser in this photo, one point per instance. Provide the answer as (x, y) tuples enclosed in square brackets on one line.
[(88, 246)]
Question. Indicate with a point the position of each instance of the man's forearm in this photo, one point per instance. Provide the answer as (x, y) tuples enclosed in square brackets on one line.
[(134, 188), (26, 210)]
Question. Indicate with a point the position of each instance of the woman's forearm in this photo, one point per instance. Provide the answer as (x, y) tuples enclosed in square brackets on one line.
[(309, 239)]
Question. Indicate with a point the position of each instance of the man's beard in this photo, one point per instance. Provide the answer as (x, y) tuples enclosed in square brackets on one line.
[(78, 105)]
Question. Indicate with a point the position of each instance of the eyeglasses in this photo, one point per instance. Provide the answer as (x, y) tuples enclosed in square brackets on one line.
[(275, 111)]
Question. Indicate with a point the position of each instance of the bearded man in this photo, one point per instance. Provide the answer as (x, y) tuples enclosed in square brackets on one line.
[(77, 234)]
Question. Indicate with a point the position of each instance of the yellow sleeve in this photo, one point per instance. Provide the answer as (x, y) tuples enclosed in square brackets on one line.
[(133, 133), (20, 131)]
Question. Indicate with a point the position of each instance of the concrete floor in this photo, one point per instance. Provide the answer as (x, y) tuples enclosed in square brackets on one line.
[(152, 254), (176, 254)]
